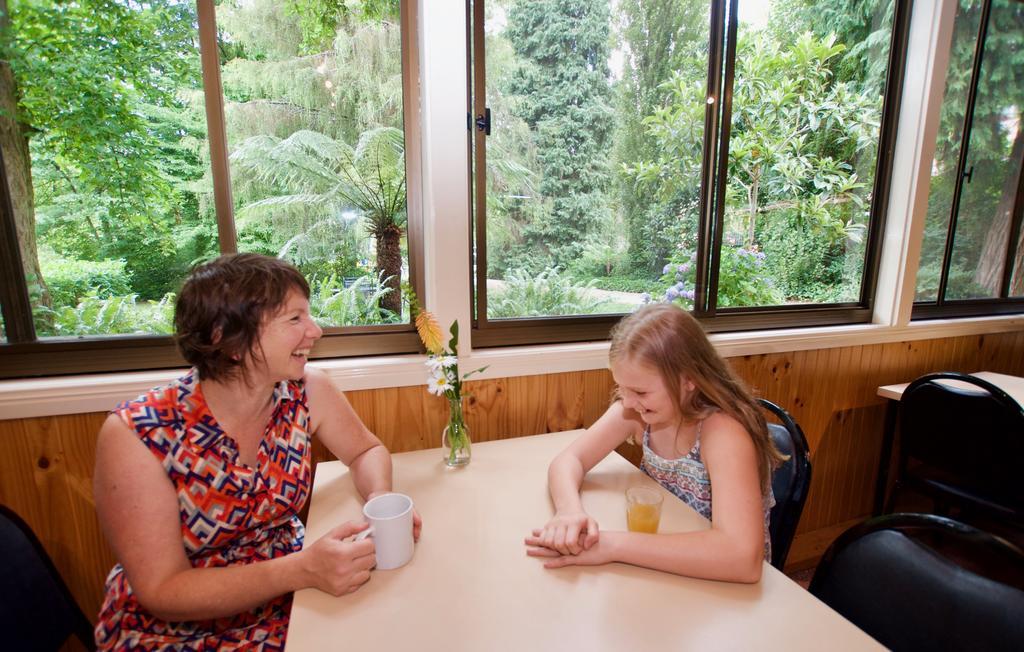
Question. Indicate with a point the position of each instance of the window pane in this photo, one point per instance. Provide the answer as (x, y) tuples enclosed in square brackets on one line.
[(579, 218), (947, 151), (314, 125), (995, 152), (106, 184), (806, 115)]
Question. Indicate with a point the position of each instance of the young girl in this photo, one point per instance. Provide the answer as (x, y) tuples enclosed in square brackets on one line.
[(704, 439)]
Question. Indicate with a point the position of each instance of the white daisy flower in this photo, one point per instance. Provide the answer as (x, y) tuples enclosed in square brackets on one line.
[(438, 384), (448, 361), (435, 362)]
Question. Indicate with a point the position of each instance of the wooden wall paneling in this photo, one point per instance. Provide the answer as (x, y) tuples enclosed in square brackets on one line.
[(786, 390), (831, 442), (813, 379), (843, 378), (487, 409), (597, 395), (863, 441), (962, 348), (936, 355), (1011, 357), (526, 398), (565, 402), (46, 478)]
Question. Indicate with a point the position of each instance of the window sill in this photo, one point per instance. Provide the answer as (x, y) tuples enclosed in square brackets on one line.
[(40, 397)]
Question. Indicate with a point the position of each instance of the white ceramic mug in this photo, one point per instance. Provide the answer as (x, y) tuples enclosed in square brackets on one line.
[(390, 518)]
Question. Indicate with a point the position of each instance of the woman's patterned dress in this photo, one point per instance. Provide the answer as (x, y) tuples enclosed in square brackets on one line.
[(687, 478), (230, 513)]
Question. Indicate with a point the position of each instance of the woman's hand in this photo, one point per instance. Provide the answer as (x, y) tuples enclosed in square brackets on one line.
[(600, 552), (568, 533), (336, 566)]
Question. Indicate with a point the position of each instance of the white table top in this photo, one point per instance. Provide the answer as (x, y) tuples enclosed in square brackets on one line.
[(1012, 385), (471, 586)]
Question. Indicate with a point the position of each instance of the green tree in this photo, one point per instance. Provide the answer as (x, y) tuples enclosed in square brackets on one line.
[(310, 174), (308, 79), (99, 88), (796, 133), (793, 130), (562, 84), (657, 38), (319, 19)]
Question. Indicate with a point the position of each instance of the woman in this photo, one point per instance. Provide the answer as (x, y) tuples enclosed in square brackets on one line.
[(198, 484)]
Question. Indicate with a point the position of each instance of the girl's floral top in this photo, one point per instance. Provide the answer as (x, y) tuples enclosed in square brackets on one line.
[(687, 478)]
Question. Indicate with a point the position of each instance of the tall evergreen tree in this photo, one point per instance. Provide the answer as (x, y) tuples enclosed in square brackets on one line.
[(563, 48), (656, 37)]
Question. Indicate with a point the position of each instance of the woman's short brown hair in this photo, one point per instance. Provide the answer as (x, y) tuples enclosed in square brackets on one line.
[(222, 306)]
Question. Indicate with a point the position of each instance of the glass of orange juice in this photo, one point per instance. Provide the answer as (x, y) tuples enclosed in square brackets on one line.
[(643, 509)]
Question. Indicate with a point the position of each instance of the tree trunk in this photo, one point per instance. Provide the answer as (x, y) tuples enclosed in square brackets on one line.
[(1017, 281), (989, 273), (755, 182), (389, 261), (19, 173)]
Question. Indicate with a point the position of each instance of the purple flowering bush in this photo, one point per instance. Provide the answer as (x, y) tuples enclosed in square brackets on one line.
[(741, 279)]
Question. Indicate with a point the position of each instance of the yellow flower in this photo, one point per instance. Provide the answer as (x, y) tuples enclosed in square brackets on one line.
[(430, 332)]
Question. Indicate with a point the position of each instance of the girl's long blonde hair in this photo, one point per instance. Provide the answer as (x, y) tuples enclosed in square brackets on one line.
[(669, 339)]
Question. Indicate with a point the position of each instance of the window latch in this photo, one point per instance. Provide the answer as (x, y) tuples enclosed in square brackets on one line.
[(483, 122), (968, 173)]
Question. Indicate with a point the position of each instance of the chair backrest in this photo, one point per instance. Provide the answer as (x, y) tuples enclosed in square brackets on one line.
[(976, 434), (37, 612), (925, 582), (790, 481)]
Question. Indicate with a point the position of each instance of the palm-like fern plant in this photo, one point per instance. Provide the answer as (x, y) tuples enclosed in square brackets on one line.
[(312, 172)]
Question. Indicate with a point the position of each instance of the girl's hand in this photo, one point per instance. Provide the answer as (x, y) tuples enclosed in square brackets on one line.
[(598, 553), (336, 566), (568, 534)]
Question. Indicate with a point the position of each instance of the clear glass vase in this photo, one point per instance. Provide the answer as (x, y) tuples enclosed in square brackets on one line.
[(455, 437)]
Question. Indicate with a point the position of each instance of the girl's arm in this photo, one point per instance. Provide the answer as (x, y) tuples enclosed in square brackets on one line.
[(565, 475), (138, 509), (732, 550), (337, 425)]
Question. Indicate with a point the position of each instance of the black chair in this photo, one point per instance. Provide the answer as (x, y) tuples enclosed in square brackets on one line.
[(962, 446), (926, 582), (37, 612), (790, 481)]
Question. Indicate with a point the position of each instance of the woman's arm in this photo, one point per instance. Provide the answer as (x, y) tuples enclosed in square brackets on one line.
[(565, 475), (344, 433), (337, 425), (732, 550), (138, 509)]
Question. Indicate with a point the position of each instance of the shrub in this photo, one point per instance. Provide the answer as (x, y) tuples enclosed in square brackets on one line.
[(115, 315), (741, 279), (548, 293), (601, 254), (627, 284), (69, 280), (801, 261), (332, 302)]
